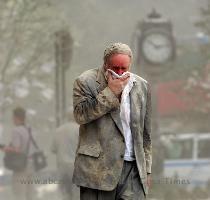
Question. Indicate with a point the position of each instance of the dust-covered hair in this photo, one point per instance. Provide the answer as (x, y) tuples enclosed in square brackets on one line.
[(117, 48)]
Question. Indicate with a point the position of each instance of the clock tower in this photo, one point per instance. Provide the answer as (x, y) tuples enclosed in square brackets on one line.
[(156, 51), (156, 43)]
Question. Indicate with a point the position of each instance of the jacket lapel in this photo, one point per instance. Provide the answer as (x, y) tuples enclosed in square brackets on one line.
[(115, 114), (136, 108)]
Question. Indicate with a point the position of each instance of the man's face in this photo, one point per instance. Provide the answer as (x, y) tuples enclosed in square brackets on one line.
[(17, 120), (119, 63)]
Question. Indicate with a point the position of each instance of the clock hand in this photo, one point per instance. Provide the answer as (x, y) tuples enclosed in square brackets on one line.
[(152, 43), (157, 46)]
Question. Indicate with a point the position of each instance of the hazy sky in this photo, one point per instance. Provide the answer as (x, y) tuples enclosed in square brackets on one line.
[(96, 23)]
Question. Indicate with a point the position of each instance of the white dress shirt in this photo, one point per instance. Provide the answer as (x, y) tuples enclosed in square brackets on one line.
[(125, 119)]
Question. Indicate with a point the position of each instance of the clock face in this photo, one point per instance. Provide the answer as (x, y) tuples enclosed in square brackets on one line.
[(157, 48)]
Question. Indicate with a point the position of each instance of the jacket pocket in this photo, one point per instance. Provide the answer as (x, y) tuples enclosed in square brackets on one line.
[(90, 150)]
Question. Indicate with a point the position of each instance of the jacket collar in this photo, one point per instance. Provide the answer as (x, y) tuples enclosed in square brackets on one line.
[(101, 75), (100, 79)]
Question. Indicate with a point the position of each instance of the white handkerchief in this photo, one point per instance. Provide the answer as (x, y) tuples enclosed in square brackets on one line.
[(115, 75)]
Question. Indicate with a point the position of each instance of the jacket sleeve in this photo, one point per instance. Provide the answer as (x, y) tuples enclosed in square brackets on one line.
[(88, 107), (147, 143)]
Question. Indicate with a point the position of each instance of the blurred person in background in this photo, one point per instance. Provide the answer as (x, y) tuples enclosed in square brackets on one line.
[(64, 147), (20, 142), (113, 108)]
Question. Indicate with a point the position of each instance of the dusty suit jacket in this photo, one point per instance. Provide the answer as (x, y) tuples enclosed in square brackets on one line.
[(100, 152)]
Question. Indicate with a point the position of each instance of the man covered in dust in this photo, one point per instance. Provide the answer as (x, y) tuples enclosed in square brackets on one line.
[(113, 108)]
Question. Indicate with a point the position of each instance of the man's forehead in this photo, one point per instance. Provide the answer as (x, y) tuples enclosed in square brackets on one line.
[(119, 59)]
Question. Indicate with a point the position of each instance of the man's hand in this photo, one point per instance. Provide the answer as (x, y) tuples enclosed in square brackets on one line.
[(117, 85)]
